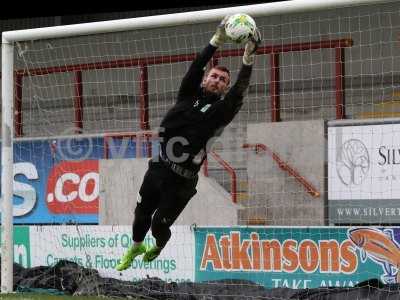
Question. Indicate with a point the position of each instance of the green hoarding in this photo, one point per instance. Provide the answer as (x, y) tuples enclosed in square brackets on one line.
[(297, 257), (22, 248)]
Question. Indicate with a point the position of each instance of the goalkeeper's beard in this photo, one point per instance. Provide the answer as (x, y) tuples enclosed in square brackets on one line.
[(213, 92)]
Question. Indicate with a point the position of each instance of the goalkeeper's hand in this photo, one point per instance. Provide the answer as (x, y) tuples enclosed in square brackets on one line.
[(219, 37), (251, 47)]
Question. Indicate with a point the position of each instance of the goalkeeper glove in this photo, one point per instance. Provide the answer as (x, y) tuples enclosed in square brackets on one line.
[(251, 48), (219, 38)]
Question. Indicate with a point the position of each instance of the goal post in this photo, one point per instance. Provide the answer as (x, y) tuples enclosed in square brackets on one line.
[(7, 138), (16, 46)]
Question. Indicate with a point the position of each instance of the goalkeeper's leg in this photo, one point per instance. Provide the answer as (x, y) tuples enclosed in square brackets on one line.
[(141, 226), (172, 203), (147, 202)]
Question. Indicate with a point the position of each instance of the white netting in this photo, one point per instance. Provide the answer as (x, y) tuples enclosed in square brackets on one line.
[(270, 165)]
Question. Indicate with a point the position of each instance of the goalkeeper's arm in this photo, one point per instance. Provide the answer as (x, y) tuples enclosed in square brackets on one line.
[(234, 98), (193, 77)]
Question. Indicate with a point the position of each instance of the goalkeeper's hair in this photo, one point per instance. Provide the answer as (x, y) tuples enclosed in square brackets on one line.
[(221, 68)]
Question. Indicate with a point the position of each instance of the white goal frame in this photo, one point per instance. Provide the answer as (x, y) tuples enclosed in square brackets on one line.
[(9, 38)]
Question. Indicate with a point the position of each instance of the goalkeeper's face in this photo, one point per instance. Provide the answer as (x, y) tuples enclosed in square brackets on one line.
[(216, 81)]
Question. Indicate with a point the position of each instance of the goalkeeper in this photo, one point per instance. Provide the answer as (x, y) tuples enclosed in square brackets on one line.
[(205, 105)]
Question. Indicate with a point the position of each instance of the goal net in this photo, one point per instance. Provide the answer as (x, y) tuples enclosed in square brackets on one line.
[(289, 193)]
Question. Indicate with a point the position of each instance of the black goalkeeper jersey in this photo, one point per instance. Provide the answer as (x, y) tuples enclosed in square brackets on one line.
[(198, 116)]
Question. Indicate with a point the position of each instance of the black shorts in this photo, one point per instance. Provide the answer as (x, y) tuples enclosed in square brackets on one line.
[(165, 191)]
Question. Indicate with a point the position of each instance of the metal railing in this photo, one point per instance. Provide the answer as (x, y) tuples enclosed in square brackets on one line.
[(285, 167), (143, 62)]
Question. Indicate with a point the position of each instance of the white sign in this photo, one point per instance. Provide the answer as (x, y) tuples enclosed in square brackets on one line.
[(364, 162), (101, 247)]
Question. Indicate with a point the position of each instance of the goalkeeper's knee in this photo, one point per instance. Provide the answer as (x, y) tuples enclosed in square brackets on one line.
[(160, 230), (141, 224), (141, 215)]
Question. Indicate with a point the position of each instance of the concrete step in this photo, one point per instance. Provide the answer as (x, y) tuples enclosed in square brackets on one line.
[(387, 108), (378, 114), (242, 196)]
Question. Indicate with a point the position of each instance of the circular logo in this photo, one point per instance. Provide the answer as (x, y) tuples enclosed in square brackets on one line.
[(73, 145), (353, 162)]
